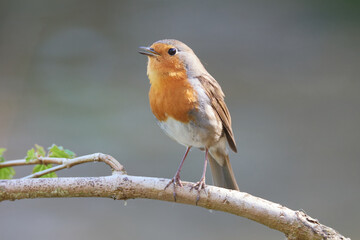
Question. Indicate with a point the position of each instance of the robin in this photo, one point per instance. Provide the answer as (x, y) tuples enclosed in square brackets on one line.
[(189, 106)]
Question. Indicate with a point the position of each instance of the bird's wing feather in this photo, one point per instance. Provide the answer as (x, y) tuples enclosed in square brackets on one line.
[(216, 96)]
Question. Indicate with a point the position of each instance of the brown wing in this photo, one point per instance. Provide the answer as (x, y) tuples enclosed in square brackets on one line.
[(216, 95)]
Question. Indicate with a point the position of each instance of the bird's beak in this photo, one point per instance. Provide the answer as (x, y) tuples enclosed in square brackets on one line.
[(148, 51)]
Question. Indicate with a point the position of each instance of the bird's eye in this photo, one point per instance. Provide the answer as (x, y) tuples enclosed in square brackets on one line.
[(172, 51)]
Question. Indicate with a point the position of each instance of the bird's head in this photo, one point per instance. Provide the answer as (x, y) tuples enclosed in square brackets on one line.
[(171, 57)]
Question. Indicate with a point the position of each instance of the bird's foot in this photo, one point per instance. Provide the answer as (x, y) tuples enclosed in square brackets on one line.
[(200, 185), (175, 181)]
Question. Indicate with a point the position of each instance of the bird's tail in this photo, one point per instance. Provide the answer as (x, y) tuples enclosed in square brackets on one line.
[(223, 176)]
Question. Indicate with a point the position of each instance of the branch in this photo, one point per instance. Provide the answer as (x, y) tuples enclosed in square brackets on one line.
[(64, 163), (294, 224)]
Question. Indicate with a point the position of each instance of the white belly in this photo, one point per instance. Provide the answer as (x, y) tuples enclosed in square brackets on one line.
[(186, 134), (204, 133)]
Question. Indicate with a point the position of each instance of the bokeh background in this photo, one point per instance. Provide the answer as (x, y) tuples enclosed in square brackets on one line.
[(70, 74)]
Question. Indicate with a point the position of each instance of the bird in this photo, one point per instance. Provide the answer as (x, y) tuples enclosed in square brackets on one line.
[(189, 106)]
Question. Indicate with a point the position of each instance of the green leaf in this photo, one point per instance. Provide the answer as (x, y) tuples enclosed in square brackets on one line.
[(42, 167), (37, 168), (70, 153), (30, 155), (60, 152), (7, 172), (40, 151), (2, 150)]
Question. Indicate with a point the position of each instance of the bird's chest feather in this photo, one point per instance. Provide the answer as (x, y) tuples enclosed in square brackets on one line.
[(172, 95)]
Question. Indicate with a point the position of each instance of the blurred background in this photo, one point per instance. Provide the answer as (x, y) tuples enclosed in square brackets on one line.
[(70, 74)]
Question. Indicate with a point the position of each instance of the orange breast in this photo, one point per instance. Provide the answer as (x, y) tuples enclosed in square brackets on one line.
[(171, 95)]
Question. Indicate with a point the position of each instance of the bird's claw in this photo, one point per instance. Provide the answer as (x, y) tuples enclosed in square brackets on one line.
[(174, 181), (200, 185)]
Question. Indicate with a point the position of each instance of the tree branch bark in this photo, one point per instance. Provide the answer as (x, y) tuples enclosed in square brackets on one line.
[(294, 224)]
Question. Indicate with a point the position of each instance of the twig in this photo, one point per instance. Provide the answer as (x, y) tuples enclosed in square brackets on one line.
[(40, 160), (295, 225), (64, 163), (46, 171)]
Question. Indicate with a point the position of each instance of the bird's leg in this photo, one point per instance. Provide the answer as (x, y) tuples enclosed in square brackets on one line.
[(176, 179), (201, 184)]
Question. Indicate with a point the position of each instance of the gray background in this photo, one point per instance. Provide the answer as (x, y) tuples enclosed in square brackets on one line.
[(70, 74)]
